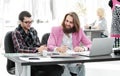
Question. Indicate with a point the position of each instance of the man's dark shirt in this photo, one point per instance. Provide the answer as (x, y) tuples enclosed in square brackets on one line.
[(25, 42)]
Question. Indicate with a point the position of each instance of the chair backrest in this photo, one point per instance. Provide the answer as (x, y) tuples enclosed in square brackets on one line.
[(9, 48), (45, 39)]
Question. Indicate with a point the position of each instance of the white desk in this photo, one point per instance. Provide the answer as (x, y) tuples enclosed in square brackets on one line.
[(93, 33), (23, 68)]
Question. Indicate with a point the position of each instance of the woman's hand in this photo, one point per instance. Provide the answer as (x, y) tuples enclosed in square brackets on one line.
[(86, 26)]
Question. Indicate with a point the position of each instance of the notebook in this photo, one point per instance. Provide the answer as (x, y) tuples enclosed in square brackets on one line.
[(64, 55), (100, 47)]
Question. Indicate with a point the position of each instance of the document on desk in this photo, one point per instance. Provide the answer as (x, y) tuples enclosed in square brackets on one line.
[(71, 52), (67, 54), (62, 56), (78, 53), (33, 58)]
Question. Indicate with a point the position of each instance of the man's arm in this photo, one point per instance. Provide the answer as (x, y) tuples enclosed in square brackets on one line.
[(20, 45)]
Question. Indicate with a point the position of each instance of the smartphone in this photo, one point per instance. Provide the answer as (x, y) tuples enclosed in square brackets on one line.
[(34, 58)]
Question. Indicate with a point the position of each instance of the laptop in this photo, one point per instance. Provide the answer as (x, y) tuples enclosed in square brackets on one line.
[(100, 47)]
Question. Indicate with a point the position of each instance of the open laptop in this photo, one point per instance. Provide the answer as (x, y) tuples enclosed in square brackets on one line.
[(100, 47)]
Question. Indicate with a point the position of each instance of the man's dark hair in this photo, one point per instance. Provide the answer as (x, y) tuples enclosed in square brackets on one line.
[(24, 14)]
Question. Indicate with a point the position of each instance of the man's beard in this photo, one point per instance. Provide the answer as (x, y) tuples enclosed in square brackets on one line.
[(70, 30)]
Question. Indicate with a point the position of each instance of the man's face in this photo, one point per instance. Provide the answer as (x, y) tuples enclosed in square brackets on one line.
[(26, 23), (69, 26), (69, 22)]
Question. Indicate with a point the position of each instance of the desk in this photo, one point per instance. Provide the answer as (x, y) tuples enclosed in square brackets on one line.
[(23, 67), (93, 33)]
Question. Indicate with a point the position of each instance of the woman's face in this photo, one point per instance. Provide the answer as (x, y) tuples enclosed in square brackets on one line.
[(100, 13)]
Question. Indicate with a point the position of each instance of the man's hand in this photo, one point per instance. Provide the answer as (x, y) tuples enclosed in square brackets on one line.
[(79, 49), (61, 49), (41, 48)]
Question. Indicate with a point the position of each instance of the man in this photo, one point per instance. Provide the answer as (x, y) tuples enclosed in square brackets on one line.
[(69, 36), (25, 40)]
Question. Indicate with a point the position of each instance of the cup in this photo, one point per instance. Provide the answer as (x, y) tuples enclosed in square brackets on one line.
[(89, 27), (44, 53)]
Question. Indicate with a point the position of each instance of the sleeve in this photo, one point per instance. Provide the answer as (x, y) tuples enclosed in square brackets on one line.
[(20, 45), (85, 40), (103, 24), (52, 40), (92, 25)]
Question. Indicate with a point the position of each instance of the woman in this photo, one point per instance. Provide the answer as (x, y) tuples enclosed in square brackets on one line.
[(115, 25), (100, 23)]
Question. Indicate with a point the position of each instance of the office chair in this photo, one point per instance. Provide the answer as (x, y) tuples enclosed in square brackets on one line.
[(45, 38), (9, 48)]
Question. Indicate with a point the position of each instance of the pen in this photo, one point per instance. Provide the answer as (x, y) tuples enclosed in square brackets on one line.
[(69, 48)]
